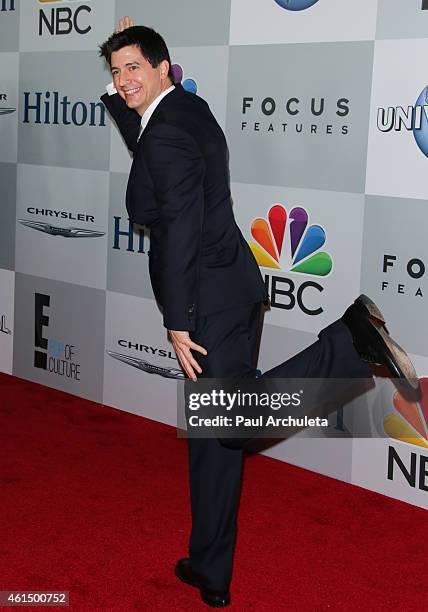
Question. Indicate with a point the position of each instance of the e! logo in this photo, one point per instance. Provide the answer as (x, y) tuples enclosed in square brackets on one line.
[(40, 321)]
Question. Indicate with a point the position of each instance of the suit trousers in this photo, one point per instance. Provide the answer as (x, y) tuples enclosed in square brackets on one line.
[(231, 339)]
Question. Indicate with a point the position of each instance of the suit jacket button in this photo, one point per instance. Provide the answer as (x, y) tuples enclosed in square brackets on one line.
[(191, 310)]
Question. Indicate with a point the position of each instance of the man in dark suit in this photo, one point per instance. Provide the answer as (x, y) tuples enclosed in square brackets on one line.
[(207, 281)]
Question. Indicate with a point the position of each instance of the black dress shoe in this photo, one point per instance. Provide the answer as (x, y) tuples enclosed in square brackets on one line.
[(213, 598), (374, 344)]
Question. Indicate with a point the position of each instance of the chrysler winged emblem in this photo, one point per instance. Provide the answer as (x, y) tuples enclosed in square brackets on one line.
[(66, 232), (150, 368)]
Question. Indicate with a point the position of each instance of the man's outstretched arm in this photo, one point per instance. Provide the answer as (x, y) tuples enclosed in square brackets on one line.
[(127, 120)]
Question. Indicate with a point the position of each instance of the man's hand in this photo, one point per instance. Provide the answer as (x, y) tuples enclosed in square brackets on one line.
[(182, 344), (124, 23)]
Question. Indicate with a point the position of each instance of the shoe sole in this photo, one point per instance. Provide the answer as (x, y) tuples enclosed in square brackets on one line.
[(399, 362), (370, 307), (405, 370)]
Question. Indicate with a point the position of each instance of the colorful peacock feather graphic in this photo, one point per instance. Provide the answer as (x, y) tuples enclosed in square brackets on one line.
[(188, 84), (409, 421), (305, 241)]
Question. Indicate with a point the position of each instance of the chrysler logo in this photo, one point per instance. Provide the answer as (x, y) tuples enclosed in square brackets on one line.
[(65, 232), (150, 368)]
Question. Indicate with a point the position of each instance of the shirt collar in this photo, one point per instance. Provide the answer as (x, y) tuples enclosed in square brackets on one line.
[(151, 109)]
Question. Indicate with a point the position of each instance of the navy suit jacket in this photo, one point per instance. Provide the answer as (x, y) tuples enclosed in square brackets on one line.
[(179, 187)]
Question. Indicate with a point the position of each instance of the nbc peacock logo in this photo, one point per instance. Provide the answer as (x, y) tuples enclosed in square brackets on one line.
[(409, 422), (188, 84), (286, 240)]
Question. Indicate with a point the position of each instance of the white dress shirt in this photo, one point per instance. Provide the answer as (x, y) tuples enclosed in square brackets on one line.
[(149, 110)]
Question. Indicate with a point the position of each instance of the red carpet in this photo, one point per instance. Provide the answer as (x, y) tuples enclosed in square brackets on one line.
[(95, 501)]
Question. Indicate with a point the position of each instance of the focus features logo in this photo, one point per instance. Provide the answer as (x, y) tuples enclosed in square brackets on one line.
[(285, 240), (270, 115), (63, 17), (408, 274), (51, 108), (5, 109), (145, 365), (54, 356), (413, 119), (7, 5)]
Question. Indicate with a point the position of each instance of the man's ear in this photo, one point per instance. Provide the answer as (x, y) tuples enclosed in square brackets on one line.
[(164, 69)]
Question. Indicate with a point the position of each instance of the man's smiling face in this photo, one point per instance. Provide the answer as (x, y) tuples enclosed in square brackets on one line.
[(135, 79)]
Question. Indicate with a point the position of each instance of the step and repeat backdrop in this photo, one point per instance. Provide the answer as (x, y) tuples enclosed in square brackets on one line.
[(324, 104)]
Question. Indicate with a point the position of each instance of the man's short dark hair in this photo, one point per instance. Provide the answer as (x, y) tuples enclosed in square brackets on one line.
[(151, 44)]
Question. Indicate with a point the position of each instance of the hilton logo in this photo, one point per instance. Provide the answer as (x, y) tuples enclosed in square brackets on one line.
[(7, 5), (62, 20), (51, 109), (425, 5), (130, 235)]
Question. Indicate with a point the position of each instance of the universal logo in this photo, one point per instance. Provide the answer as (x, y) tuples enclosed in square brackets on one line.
[(296, 5), (274, 116), (54, 356), (52, 108), (143, 364), (286, 240), (7, 5), (413, 119), (5, 110), (63, 18), (409, 276)]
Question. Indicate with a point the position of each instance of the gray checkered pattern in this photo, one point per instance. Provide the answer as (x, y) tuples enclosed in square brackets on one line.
[(319, 108)]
